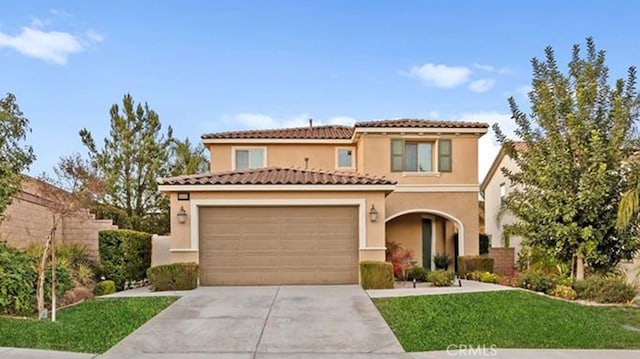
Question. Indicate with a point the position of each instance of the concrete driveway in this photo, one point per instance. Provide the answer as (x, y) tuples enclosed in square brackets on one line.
[(264, 322)]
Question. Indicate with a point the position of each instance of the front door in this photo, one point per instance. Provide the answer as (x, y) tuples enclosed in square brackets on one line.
[(426, 243)]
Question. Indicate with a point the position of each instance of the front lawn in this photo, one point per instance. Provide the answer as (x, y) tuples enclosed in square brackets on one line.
[(91, 327), (508, 319)]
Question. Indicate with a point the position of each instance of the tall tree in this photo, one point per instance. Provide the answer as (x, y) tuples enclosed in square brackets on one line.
[(570, 182), (187, 159), (15, 156), (131, 158)]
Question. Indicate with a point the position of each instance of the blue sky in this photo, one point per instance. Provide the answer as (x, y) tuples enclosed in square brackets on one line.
[(209, 66)]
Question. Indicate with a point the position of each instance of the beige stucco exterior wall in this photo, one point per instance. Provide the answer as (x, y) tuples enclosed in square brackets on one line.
[(494, 220), (376, 152), (407, 232), (460, 206), (321, 156), (181, 233)]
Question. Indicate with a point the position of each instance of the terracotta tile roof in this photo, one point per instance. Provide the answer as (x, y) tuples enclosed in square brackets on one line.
[(417, 123), (277, 176), (333, 132)]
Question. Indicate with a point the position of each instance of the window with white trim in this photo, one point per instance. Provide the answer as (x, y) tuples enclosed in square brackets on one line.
[(249, 158), (344, 158), (503, 191), (421, 156)]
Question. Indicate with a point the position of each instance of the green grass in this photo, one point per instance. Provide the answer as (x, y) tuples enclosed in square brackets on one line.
[(510, 319), (91, 327)]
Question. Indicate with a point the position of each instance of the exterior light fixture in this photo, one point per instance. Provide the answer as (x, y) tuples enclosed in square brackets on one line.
[(373, 214), (182, 215)]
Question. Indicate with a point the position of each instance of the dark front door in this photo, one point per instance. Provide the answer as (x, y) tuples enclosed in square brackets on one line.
[(426, 243)]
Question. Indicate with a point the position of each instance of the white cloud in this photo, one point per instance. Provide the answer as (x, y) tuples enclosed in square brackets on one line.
[(489, 68), (482, 85), (524, 90), (50, 46), (441, 76)]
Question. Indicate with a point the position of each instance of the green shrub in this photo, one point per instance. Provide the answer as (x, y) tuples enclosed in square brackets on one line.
[(176, 276), (475, 275), (376, 275), (105, 287), (606, 289), (441, 278), (483, 243), (64, 282), (487, 277), (17, 281), (563, 291), (467, 264), (538, 281), (418, 273), (125, 255), (441, 261)]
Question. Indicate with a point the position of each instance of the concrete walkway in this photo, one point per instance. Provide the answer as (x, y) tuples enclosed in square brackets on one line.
[(20, 353), (264, 322), (145, 292), (468, 286), (531, 354)]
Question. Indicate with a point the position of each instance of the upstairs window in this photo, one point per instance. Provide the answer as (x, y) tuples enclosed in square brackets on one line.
[(418, 156), (249, 158), (344, 158), (503, 192)]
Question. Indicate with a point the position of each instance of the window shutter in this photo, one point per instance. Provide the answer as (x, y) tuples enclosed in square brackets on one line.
[(444, 155), (397, 155)]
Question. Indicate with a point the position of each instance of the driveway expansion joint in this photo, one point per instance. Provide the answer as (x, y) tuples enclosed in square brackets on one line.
[(273, 302)]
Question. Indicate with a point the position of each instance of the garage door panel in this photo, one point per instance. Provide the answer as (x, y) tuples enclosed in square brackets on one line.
[(278, 245)]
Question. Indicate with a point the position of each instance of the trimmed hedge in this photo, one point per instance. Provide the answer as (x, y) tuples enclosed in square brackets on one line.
[(376, 275), (418, 273), (125, 255), (468, 264), (105, 287), (176, 276), (441, 278)]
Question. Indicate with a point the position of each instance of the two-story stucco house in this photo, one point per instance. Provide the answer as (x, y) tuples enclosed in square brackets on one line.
[(494, 188), (306, 205)]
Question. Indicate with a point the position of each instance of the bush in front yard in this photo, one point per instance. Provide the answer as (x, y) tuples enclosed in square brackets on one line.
[(441, 278), (17, 281), (487, 277), (64, 282), (563, 291), (418, 273), (176, 276), (468, 264), (125, 255), (105, 287), (376, 275), (606, 289), (539, 281)]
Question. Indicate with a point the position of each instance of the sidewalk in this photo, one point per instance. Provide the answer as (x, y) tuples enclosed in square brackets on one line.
[(531, 354), (145, 292), (468, 286), (20, 353)]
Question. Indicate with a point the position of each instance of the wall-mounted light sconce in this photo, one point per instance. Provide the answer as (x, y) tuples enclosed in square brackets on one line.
[(373, 214), (182, 215)]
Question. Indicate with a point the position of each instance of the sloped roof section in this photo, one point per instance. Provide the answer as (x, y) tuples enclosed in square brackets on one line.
[(333, 132), (419, 123), (276, 176)]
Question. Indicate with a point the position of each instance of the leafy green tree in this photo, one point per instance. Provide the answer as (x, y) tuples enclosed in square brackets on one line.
[(187, 159), (130, 160), (15, 156), (577, 136)]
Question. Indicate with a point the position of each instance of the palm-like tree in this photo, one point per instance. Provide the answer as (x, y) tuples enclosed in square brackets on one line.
[(187, 159)]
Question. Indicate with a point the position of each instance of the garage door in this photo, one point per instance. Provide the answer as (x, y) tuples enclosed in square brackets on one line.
[(278, 245)]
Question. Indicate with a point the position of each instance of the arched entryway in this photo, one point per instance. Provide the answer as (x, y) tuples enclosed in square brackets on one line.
[(426, 232)]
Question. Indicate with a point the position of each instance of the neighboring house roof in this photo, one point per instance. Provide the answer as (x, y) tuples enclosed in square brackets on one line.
[(311, 132), (518, 145), (337, 132), (417, 123), (276, 176)]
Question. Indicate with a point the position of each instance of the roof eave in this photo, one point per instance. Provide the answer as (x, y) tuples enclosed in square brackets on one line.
[(276, 188)]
